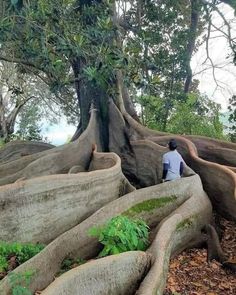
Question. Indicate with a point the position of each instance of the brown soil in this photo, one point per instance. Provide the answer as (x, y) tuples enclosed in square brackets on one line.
[(190, 274)]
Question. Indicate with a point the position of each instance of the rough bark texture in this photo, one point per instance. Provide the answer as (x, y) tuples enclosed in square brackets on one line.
[(218, 181), (123, 271), (77, 243), (176, 211), (16, 149), (191, 42), (57, 160), (55, 203)]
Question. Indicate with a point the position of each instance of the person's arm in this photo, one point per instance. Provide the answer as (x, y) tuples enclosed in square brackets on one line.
[(165, 170), (181, 168)]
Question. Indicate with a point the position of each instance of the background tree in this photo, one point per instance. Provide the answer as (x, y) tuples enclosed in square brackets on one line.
[(232, 118), (24, 98), (12, 98)]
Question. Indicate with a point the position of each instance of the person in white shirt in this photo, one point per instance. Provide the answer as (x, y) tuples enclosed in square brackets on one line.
[(173, 163)]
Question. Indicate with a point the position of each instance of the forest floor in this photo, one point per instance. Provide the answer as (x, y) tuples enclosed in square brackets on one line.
[(190, 274)]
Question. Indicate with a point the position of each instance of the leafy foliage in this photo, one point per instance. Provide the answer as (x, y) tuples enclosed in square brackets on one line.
[(69, 263), (197, 114), (3, 264), (67, 41), (20, 282), (121, 234), (23, 252), (29, 126), (24, 101)]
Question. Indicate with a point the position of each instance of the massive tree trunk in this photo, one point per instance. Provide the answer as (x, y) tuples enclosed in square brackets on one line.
[(92, 188), (195, 9), (113, 167)]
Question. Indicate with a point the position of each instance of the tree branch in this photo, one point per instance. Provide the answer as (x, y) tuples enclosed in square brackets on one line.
[(231, 41), (18, 61), (12, 116)]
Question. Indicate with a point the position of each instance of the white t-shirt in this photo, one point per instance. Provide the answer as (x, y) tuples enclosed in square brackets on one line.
[(173, 160)]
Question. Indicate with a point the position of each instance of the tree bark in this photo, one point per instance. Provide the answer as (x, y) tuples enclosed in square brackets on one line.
[(7, 121), (181, 218), (191, 42)]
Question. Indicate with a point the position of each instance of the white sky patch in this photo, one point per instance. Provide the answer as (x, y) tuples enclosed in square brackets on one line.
[(221, 56), (60, 133)]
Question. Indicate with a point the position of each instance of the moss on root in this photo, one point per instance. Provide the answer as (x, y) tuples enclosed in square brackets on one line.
[(149, 205), (185, 223)]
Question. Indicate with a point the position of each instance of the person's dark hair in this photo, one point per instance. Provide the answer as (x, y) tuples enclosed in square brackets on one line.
[(172, 144)]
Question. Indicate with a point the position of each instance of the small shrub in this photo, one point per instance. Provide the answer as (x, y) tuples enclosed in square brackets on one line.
[(23, 252), (3, 264), (121, 234), (20, 282), (69, 263), (2, 143)]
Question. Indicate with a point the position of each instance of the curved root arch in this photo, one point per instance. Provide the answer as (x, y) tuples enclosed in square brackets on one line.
[(55, 203), (175, 211), (19, 148), (166, 199), (218, 175), (56, 160)]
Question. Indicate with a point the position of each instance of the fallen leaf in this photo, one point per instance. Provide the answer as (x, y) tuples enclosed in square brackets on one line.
[(193, 263)]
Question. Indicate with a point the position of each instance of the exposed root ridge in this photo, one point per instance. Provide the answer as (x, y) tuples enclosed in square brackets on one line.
[(55, 203), (76, 242), (57, 160), (116, 274), (177, 232)]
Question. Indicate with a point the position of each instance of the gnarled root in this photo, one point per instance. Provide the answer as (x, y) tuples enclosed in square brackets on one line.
[(214, 250), (55, 203), (180, 230), (58, 160), (152, 204), (113, 275)]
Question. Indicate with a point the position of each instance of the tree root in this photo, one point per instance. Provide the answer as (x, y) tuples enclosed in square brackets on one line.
[(214, 250), (180, 230), (18, 148), (55, 203), (58, 160), (218, 181), (152, 204), (112, 275)]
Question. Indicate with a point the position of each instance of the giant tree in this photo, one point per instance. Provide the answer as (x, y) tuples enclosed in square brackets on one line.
[(61, 190)]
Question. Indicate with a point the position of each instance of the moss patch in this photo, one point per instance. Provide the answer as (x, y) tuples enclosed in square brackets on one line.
[(149, 205), (185, 223)]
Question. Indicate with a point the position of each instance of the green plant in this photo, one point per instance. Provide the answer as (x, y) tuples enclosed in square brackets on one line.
[(20, 282), (23, 252), (149, 205), (121, 234), (3, 264), (69, 263), (2, 143), (185, 223)]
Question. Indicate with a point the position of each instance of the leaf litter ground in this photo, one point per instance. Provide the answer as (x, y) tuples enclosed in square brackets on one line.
[(190, 274)]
